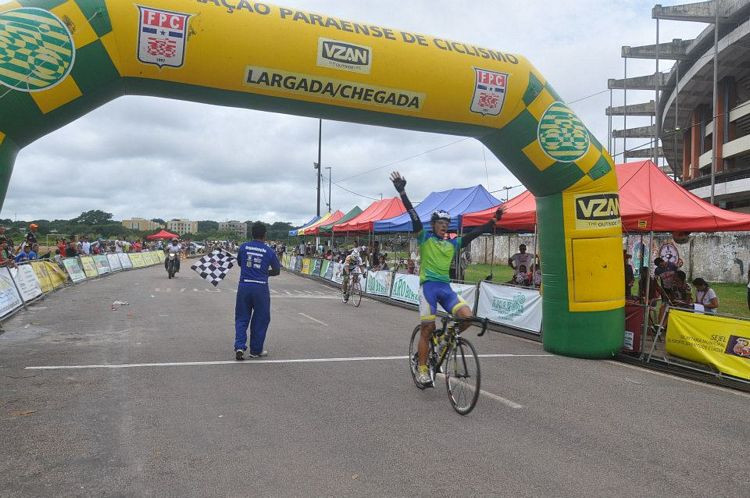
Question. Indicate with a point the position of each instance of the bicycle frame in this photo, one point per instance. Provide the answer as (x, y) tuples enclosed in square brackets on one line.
[(453, 335)]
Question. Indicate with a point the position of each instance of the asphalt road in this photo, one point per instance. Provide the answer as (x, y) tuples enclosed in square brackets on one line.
[(201, 424)]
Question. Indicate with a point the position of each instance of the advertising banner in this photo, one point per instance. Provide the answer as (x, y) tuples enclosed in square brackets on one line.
[(102, 264), (125, 261), (306, 266), (406, 288), (154, 258), (338, 273), (114, 262), (40, 270), (378, 283), (298, 264), (712, 340), (73, 267), (57, 277), (324, 268), (161, 256), (10, 300), (317, 264), (26, 281), (89, 266), (137, 259), (513, 306)]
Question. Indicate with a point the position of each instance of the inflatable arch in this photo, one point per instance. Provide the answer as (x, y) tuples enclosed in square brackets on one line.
[(59, 59)]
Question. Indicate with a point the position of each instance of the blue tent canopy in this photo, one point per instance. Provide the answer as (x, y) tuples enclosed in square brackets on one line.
[(457, 202), (293, 233)]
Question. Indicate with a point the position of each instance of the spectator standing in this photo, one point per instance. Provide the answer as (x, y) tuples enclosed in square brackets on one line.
[(705, 296), (682, 294), (85, 246), (70, 251), (520, 258), (629, 275), (665, 272)]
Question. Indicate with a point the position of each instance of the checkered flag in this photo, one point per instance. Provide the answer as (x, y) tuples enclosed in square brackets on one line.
[(214, 266)]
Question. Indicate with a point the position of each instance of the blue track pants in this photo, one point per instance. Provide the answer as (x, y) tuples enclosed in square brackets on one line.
[(253, 307)]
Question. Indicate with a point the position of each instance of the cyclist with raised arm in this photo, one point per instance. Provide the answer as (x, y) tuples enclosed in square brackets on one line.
[(436, 253)]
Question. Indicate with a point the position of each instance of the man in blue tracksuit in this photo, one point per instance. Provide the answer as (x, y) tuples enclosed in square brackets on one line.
[(257, 262)]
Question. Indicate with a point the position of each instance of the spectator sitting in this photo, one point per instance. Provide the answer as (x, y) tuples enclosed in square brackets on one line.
[(382, 264), (537, 277), (58, 257), (705, 296), (411, 267), (521, 277), (26, 255), (681, 292)]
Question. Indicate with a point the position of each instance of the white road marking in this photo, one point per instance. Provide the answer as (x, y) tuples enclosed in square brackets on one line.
[(182, 290), (505, 401), (673, 377), (313, 319), (152, 295), (289, 293), (273, 291), (195, 290), (234, 362), (303, 296)]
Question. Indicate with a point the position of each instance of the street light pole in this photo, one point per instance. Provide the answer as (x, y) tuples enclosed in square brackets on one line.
[(329, 188), (320, 139)]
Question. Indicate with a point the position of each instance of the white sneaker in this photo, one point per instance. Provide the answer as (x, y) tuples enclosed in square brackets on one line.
[(258, 355), (424, 378)]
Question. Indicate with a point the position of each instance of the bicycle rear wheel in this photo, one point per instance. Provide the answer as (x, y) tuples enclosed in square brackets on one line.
[(356, 294), (462, 376)]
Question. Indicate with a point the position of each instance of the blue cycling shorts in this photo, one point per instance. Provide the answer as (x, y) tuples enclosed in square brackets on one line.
[(433, 293)]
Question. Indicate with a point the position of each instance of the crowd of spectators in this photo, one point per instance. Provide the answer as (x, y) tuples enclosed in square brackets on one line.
[(372, 257)]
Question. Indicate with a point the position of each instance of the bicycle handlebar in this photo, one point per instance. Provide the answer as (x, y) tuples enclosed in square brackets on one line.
[(474, 319)]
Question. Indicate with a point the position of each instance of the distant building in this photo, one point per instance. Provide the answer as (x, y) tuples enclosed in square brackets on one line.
[(182, 227), (236, 227), (141, 224), (685, 113)]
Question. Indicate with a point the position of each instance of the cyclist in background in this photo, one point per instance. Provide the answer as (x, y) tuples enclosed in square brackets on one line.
[(352, 263), (436, 253)]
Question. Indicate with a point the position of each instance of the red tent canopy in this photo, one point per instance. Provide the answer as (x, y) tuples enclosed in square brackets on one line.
[(649, 200), (162, 234), (378, 210)]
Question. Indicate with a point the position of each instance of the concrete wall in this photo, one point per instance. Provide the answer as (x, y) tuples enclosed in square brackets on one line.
[(717, 257)]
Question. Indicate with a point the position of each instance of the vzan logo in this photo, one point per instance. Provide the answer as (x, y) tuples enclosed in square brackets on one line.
[(344, 56), (597, 211)]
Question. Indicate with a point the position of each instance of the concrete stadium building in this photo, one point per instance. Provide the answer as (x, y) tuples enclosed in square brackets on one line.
[(682, 106)]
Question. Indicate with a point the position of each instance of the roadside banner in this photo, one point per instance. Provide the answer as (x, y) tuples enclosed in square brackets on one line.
[(162, 256), (10, 299), (89, 266), (317, 264), (42, 276), (712, 340), (125, 261), (298, 264), (405, 288), (154, 257), (306, 266), (324, 268), (513, 306), (26, 281), (102, 264), (57, 276), (73, 267), (338, 273), (378, 283), (137, 259), (114, 262)]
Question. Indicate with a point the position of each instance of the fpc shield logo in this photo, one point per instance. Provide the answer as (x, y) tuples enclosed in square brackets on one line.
[(489, 92), (162, 36)]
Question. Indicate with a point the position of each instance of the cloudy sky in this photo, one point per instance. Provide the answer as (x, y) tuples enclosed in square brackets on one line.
[(223, 163)]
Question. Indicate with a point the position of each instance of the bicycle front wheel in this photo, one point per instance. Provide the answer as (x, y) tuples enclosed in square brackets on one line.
[(356, 294), (462, 376)]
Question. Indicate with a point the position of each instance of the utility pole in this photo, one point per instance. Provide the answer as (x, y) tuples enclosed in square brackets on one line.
[(329, 188), (317, 165)]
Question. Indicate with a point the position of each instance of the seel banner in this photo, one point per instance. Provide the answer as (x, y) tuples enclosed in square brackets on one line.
[(712, 340)]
